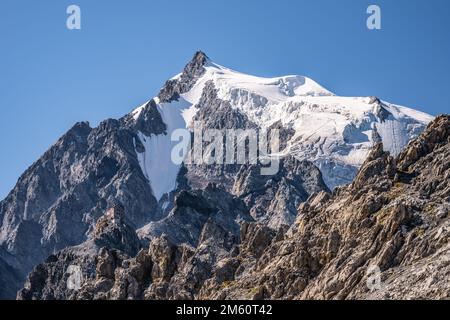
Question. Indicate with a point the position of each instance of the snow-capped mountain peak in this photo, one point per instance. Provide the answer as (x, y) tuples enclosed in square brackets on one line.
[(334, 132)]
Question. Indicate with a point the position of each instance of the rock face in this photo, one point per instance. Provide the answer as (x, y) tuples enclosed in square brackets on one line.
[(274, 199), (193, 209), (193, 70), (9, 279), (113, 232), (109, 247), (57, 201), (385, 236)]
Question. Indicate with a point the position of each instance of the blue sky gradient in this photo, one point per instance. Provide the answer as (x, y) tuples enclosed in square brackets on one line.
[(51, 77)]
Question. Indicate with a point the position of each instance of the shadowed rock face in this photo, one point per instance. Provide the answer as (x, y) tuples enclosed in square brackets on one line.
[(193, 209), (112, 242), (193, 70), (394, 219), (9, 279), (274, 199), (57, 201)]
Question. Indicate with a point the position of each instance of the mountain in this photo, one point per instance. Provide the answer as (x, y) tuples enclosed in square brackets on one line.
[(58, 202), (384, 236)]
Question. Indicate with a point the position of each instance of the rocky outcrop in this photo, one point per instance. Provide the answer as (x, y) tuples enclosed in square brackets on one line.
[(385, 236), (193, 209), (98, 260), (113, 232), (149, 122), (9, 279), (274, 199), (433, 138), (193, 70)]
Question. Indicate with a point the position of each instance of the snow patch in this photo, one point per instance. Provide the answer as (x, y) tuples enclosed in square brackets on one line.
[(137, 112), (156, 162)]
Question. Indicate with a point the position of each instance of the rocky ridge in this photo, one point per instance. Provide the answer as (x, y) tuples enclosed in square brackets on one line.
[(385, 236)]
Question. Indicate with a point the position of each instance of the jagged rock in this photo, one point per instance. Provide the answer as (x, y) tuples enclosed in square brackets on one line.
[(9, 278), (193, 70), (106, 264), (274, 199), (434, 136), (215, 113), (373, 224), (99, 259), (193, 209), (112, 231), (58, 200), (256, 238), (148, 122), (166, 256), (378, 163)]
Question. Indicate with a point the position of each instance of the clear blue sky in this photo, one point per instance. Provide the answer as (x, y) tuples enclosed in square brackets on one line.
[(51, 77)]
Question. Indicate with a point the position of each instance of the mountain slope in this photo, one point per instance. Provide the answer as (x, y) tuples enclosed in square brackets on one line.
[(10, 281), (385, 236), (57, 201)]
